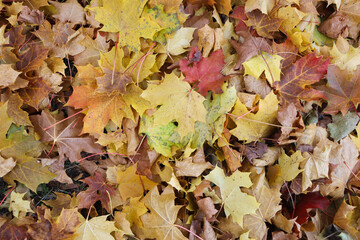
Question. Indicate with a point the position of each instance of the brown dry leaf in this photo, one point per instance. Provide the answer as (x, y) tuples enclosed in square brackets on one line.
[(64, 227), (19, 116), (113, 81), (280, 221), (288, 51), (249, 48), (6, 165), (264, 25), (256, 226), (344, 158), (32, 58), (268, 197), (346, 217), (61, 202), (187, 167), (69, 11), (98, 190), (257, 86), (206, 205), (31, 16), (292, 124), (37, 90), (316, 165), (65, 135), (335, 26), (93, 48), (8, 75), (208, 232)]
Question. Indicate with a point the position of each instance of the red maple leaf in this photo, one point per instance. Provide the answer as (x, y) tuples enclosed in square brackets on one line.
[(204, 71), (98, 190), (296, 81), (239, 13), (309, 201)]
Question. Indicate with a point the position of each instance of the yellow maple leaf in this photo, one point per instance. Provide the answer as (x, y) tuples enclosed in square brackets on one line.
[(292, 17), (134, 210), (17, 204), (130, 184), (160, 222), (270, 63), (289, 165), (231, 194), (96, 228), (251, 127), (345, 56), (124, 16), (178, 103)]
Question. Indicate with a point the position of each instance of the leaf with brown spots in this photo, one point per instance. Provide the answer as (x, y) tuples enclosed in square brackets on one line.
[(295, 83)]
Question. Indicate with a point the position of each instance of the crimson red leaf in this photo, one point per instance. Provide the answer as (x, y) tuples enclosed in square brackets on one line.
[(239, 13), (204, 71), (309, 201)]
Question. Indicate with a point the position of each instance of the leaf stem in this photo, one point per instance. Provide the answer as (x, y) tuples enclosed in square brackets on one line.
[(64, 119), (7, 194), (183, 228)]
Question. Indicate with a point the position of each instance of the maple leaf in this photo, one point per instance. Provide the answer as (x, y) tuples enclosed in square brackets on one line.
[(268, 63), (96, 228), (264, 25), (168, 22), (160, 222), (37, 90), (263, 5), (63, 227), (8, 74), (17, 204), (248, 48), (345, 218), (65, 135), (6, 165), (92, 51), (345, 56), (239, 13), (179, 41), (98, 190), (310, 200), (343, 90), (287, 51), (32, 58), (204, 71), (102, 108), (112, 81), (125, 18), (253, 126), (178, 103), (294, 84), (69, 11), (231, 193), (10, 230), (291, 17), (130, 183)]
